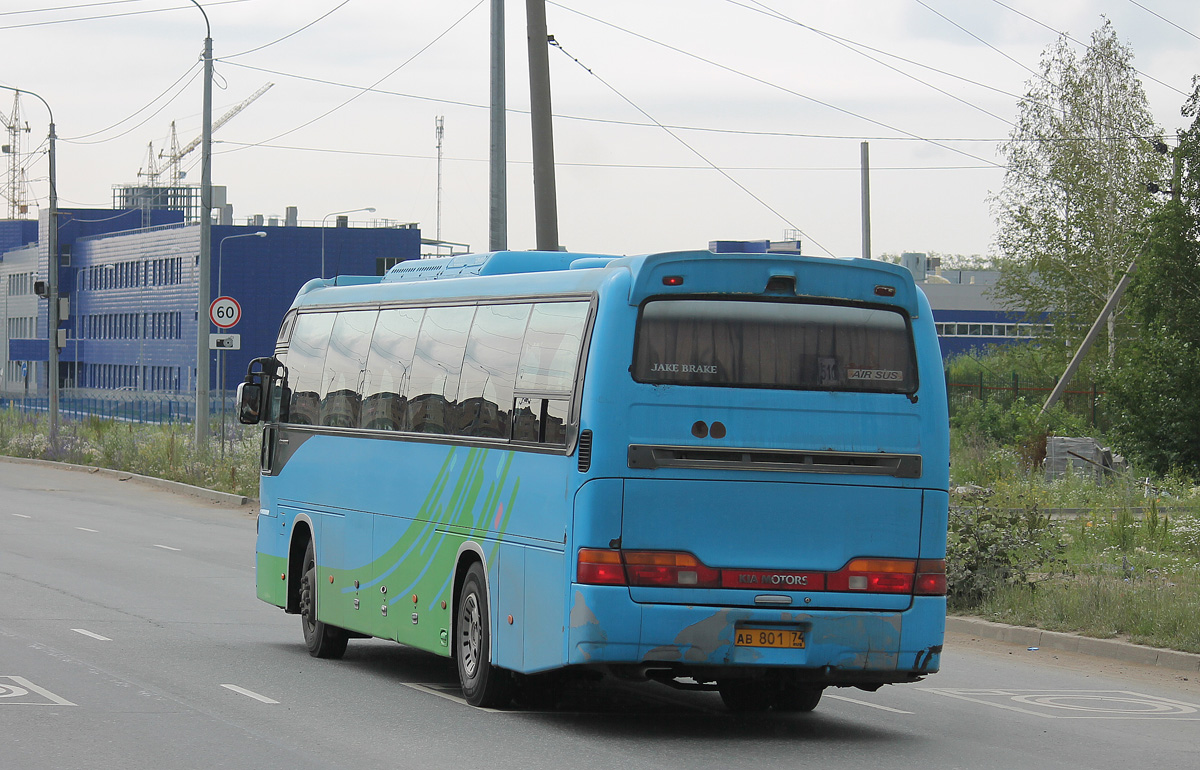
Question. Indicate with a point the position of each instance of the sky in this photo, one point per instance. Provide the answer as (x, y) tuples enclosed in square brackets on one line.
[(677, 122)]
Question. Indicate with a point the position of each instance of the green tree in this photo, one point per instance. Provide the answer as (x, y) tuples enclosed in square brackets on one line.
[(1074, 208), (1152, 390)]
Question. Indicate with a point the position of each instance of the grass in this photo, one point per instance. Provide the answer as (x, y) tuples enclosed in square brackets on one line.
[(1127, 565), (162, 451)]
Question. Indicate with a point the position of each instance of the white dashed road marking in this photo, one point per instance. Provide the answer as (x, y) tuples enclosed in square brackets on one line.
[(85, 632), (1079, 704), (248, 693)]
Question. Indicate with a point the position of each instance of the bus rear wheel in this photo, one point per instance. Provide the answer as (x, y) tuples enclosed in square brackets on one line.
[(793, 698), (321, 639), (483, 684)]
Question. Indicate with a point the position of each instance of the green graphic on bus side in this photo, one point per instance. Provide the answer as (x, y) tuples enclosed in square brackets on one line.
[(405, 594)]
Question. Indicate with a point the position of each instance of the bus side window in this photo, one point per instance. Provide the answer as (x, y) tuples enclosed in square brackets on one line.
[(306, 362), (551, 349), (344, 364), (490, 370), (540, 420), (388, 364), (432, 389), (549, 359)]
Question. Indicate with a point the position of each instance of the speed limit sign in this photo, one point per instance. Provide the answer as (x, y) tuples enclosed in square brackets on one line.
[(225, 312)]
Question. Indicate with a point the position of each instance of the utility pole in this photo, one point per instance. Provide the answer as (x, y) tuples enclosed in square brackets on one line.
[(545, 196), (52, 314), (865, 160), (204, 268), (497, 173)]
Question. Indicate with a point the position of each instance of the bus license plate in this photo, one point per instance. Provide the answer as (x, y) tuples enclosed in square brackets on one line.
[(782, 638)]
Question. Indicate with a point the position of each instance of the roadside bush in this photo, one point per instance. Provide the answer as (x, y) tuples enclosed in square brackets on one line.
[(988, 549)]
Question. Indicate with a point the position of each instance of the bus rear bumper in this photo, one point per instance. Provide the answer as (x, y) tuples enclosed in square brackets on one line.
[(608, 629)]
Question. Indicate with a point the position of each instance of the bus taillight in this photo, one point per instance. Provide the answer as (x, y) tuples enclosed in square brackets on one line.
[(875, 576), (669, 569), (931, 578), (602, 567), (666, 569)]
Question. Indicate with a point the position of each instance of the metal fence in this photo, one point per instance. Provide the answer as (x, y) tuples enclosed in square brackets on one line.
[(1083, 399), (121, 406), (136, 406)]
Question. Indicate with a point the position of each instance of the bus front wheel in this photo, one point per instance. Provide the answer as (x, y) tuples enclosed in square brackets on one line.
[(321, 639), (482, 683)]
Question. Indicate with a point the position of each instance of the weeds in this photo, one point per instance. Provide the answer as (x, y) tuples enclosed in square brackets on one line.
[(1118, 559), (162, 451)]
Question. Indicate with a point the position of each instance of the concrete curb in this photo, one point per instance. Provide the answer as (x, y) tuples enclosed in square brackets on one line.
[(1112, 649), (173, 486)]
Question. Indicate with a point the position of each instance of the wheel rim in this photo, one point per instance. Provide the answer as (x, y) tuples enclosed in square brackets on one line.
[(470, 634), (306, 602)]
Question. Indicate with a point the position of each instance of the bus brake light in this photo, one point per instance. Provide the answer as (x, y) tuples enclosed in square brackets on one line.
[(597, 566)]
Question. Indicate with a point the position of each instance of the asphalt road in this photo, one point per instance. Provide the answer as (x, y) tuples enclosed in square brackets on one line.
[(130, 637)]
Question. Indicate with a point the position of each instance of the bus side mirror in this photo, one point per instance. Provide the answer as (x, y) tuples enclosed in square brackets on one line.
[(249, 400)]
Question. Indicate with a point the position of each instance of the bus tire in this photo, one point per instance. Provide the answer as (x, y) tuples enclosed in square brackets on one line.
[(483, 684), (794, 698), (321, 639)]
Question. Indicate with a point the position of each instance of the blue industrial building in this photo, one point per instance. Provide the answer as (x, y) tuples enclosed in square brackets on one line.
[(130, 311), (967, 318)]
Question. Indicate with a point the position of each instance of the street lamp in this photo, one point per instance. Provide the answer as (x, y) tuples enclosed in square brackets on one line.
[(333, 214), (205, 259), (52, 315), (221, 374)]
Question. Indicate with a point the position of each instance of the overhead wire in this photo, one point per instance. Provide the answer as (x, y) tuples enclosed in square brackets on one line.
[(580, 164), (1116, 132), (692, 149), (118, 15), (369, 89), (322, 17), (75, 7), (1066, 36), (1164, 18), (193, 70), (776, 86), (862, 49)]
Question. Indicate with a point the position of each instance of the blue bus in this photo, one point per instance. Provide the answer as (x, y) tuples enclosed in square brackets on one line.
[(717, 471)]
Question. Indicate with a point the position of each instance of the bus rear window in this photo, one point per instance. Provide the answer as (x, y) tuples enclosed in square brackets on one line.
[(784, 345)]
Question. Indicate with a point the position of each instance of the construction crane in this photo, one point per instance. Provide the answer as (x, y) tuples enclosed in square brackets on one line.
[(14, 188), (173, 158)]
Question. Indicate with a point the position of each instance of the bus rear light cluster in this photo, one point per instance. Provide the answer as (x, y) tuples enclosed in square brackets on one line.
[(676, 569)]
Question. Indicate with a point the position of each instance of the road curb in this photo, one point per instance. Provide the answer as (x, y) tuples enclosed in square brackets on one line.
[(173, 486), (1112, 649)]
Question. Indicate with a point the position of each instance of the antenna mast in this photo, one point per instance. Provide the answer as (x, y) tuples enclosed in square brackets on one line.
[(440, 132)]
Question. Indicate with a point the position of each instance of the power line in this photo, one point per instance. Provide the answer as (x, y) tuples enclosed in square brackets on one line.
[(1065, 36), (639, 124), (946, 18), (194, 70), (858, 48), (69, 7), (570, 164), (370, 88), (776, 86), (327, 14), (118, 15), (692, 149), (1164, 18)]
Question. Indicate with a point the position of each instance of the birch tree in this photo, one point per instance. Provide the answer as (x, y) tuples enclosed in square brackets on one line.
[(1074, 208)]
